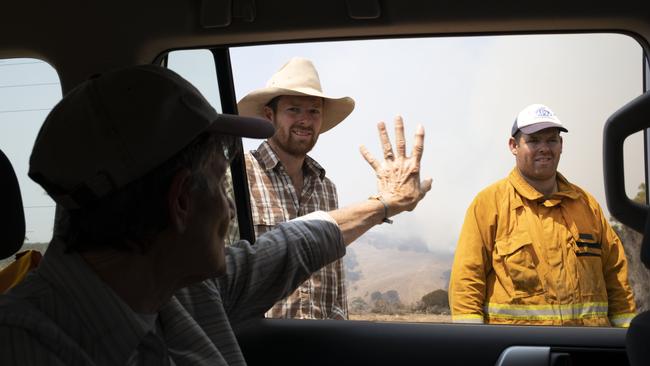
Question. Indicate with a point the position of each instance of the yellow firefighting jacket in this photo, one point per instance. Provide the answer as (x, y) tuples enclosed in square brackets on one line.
[(524, 259), (14, 273)]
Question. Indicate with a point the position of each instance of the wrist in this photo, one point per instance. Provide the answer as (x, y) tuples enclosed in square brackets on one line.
[(386, 208)]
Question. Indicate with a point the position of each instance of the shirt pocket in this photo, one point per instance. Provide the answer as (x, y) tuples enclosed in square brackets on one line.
[(268, 216), (519, 260), (589, 264)]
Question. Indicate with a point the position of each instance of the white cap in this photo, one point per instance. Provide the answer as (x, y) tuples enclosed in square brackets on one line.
[(534, 118)]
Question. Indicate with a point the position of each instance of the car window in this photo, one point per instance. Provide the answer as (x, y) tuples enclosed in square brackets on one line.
[(29, 88), (198, 67), (466, 91)]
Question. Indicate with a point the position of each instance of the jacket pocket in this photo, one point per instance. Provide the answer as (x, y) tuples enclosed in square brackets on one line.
[(519, 261), (586, 246), (589, 266)]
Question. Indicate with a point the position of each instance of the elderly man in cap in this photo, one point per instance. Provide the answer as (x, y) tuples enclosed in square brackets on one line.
[(286, 183), (137, 273), (536, 249)]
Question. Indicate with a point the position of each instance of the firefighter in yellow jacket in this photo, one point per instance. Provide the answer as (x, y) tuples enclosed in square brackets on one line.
[(536, 249)]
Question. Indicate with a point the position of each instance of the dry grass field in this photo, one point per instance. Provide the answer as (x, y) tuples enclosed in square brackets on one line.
[(408, 318)]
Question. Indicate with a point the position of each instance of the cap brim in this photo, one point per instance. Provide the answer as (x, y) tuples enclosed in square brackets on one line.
[(541, 126), (253, 127)]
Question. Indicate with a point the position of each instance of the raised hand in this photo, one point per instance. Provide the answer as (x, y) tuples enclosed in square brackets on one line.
[(398, 175)]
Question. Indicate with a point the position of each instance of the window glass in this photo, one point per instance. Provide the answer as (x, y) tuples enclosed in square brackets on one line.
[(634, 171), (466, 91), (198, 67), (29, 88)]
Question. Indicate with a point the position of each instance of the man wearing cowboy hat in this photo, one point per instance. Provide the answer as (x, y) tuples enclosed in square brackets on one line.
[(286, 183), (537, 249)]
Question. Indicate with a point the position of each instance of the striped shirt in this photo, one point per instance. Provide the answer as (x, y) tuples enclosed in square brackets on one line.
[(274, 200), (63, 314)]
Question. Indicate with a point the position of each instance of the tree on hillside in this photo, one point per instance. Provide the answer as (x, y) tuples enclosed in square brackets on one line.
[(375, 296), (436, 302), (638, 275), (351, 266), (641, 195), (386, 303), (359, 306), (392, 297)]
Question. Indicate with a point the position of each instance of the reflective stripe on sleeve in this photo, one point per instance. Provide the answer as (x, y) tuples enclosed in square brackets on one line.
[(621, 320), (547, 311)]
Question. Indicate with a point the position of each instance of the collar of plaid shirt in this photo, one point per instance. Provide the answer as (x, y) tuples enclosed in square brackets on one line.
[(268, 160)]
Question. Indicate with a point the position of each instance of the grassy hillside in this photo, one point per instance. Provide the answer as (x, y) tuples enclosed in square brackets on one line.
[(378, 264)]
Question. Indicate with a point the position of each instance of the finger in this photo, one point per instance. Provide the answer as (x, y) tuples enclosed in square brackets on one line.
[(418, 146), (369, 158), (385, 141), (400, 141)]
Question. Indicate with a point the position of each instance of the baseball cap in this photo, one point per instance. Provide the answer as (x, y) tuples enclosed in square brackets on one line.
[(536, 117), (116, 127)]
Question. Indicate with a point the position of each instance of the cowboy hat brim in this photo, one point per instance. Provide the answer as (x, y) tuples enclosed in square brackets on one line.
[(335, 109)]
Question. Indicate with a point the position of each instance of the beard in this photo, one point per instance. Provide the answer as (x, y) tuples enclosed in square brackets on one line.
[(293, 146)]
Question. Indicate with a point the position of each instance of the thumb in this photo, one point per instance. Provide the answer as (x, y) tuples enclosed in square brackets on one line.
[(425, 186)]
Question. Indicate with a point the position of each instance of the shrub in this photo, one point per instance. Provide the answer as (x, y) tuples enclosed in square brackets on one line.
[(359, 306), (436, 302)]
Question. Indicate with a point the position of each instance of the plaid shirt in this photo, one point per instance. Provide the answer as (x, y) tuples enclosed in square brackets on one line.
[(273, 201)]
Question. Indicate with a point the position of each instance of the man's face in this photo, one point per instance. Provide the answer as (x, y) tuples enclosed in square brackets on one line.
[(297, 123), (210, 220), (537, 155)]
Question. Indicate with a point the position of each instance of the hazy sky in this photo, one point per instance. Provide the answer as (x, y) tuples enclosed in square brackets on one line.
[(465, 91)]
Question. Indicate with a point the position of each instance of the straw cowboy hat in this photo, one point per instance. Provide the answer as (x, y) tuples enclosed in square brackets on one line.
[(297, 77)]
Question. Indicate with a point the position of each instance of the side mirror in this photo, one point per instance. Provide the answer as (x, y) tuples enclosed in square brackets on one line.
[(631, 118)]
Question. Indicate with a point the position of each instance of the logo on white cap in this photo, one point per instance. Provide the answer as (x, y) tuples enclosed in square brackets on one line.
[(543, 112)]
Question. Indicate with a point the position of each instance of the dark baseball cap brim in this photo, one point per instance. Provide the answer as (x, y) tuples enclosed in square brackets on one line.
[(124, 123), (234, 125)]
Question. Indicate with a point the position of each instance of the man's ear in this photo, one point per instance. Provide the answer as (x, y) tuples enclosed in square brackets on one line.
[(268, 113), (179, 200), (512, 144)]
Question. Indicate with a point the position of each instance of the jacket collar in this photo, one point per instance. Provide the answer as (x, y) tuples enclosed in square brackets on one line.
[(269, 160), (525, 190)]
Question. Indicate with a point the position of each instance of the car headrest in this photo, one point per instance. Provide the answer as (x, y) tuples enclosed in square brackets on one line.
[(12, 216)]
